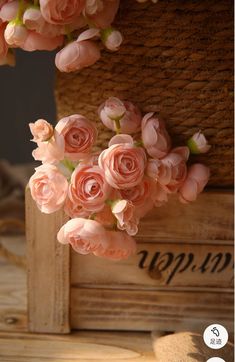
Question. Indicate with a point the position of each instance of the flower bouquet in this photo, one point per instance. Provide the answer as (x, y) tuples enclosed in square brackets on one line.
[(106, 193)]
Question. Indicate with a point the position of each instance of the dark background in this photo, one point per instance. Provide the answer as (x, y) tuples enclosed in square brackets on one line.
[(26, 94)]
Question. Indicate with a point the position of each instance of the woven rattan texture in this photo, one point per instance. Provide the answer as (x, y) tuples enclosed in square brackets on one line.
[(176, 60)]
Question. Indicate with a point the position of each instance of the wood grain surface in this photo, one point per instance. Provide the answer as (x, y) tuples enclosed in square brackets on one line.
[(48, 271)]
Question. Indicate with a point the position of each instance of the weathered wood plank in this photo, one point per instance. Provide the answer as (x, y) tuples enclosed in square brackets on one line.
[(159, 265), (149, 310), (13, 308), (48, 271), (209, 218), (83, 346)]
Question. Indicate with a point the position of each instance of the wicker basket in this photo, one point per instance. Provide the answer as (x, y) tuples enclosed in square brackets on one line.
[(176, 60)]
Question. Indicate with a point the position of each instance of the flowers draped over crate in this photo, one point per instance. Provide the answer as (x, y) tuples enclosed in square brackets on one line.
[(107, 193), (79, 27)]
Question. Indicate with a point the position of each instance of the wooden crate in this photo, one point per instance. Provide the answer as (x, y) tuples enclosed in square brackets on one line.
[(181, 277)]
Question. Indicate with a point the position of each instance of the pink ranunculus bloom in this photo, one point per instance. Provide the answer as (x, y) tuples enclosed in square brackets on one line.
[(41, 130), (79, 136), (51, 151), (119, 246), (106, 217), (123, 164), (104, 15), (15, 34), (197, 178), (73, 209), (9, 11), (112, 39), (170, 172), (198, 143), (140, 196), (126, 113), (89, 188), (61, 11), (124, 210), (48, 188), (85, 236), (35, 41), (155, 137), (3, 44), (77, 55)]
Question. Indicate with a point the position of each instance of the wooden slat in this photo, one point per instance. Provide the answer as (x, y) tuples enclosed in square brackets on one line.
[(159, 266), (13, 308), (149, 310), (209, 218), (48, 272), (89, 347)]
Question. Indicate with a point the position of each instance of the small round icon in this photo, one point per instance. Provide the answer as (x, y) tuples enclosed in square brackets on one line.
[(215, 359), (215, 336)]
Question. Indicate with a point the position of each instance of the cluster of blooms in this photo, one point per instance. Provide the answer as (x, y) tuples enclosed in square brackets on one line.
[(107, 193), (75, 25)]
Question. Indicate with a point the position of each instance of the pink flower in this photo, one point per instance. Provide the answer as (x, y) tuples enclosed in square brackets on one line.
[(73, 209), (48, 188), (197, 178), (61, 11), (85, 236), (123, 210), (89, 188), (141, 196), (35, 41), (51, 151), (120, 116), (112, 39), (9, 11), (123, 164), (3, 44), (155, 137), (170, 172), (79, 136), (15, 34), (198, 143), (105, 13), (119, 246), (93, 6), (41, 130)]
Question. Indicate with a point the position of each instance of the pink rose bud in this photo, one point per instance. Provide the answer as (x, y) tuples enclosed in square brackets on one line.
[(77, 55), (79, 136), (112, 39), (33, 19), (93, 6), (41, 130), (9, 11), (48, 188), (120, 116), (51, 151), (119, 246), (155, 137), (105, 13), (197, 178), (123, 210), (198, 143), (123, 165), (15, 34), (61, 12), (89, 188), (85, 236)]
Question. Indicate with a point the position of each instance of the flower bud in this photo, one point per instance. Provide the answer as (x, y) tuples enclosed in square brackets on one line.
[(112, 39), (41, 130), (198, 143), (15, 33)]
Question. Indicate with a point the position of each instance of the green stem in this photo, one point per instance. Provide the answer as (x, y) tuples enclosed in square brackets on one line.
[(117, 126)]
